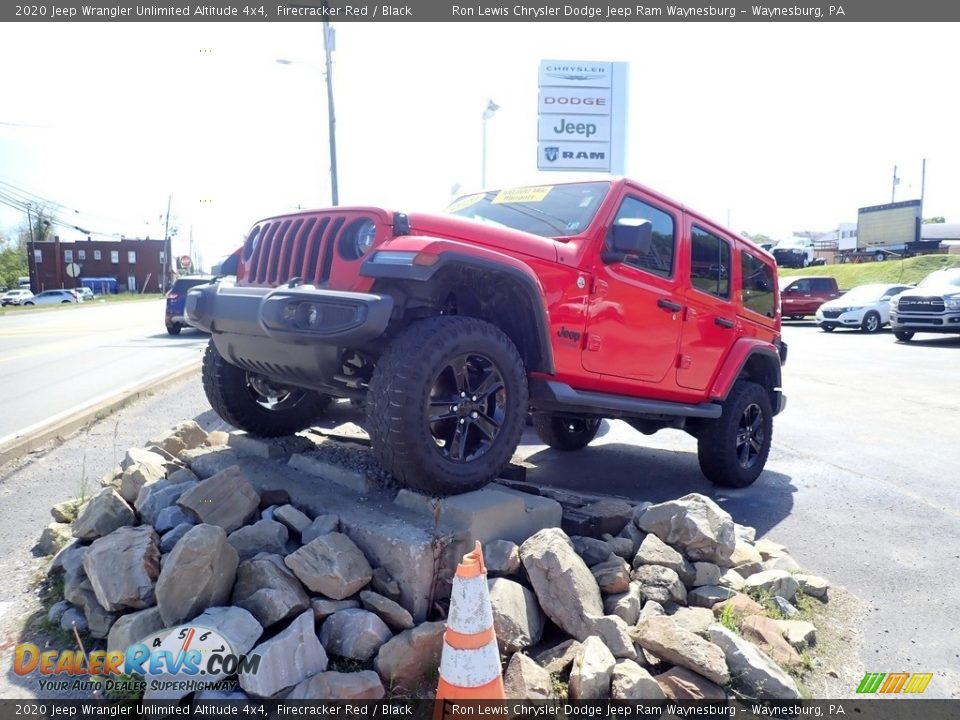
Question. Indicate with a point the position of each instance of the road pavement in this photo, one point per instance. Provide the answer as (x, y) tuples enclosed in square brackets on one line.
[(55, 361)]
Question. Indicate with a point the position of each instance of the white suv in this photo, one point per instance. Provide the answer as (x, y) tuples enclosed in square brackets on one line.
[(15, 296)]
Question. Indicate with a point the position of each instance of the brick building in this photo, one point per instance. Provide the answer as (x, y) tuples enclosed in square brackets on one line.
[(136, 265)]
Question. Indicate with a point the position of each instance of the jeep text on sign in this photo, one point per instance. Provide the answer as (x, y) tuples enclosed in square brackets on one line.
[(574, 101), (574, 127)]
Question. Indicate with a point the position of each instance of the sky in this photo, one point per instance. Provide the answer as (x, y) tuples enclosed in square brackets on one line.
[(767, 128)]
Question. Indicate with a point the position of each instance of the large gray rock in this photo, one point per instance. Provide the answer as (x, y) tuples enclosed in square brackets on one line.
[(625, 605), (694, 619), (563, 583), (654, 551), (324, 608), (185, 435), (226, 500), (665, 639), (66, 511), (632, 682), (106, 512), (612, 575), (799, 633), (608, 515), (615, 634), (502, 557), (753, 672), (237, 626), (295, 520), (592, 671), (267, 589), (517, 619), (170, 517), (137, 456), (393, 614), (411, 658), (525, 680), (774, 582), (123, 568), (694, 524), (171, 538), (159, 495), (331, 565), (678, 683), (356, 634), (330, 685), (661, 584), (813, 586), (592, 550), (264, 536), (138, 475), (706, 596), (55, 536), (767, 635), (557, 659), (286, 659), (134, 628), (706, 574), (198, 573)]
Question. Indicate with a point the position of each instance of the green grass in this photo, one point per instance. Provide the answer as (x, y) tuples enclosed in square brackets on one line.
[(850, 275)]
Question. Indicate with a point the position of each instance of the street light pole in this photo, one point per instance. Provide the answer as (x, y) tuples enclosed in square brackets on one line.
[(328, 40), (491, 108)]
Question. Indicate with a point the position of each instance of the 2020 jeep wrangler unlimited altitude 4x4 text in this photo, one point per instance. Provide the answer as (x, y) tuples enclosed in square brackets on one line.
[(577, 301)]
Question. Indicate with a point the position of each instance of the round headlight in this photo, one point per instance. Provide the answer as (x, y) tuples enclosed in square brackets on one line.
[(357, 239)]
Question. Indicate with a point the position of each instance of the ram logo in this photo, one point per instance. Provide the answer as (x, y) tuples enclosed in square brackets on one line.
[(551, 153)]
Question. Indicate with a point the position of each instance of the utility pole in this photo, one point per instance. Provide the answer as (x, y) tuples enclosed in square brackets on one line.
[(167, 250), (328, 41), (33, 251), (893, 191)]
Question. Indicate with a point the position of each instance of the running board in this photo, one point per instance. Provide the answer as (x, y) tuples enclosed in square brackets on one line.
[(553, 396)]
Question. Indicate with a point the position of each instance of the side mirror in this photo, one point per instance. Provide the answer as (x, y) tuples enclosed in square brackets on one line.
[(632, 236), (228, 266)]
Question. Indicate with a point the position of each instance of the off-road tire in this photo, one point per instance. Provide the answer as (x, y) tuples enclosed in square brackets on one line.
[(903, 335), (398, 406), (174, 329), (872, 322), (717, 441), (231, 396), (565, 433)]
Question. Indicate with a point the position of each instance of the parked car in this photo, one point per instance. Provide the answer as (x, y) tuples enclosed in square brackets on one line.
[(866, 307), (174, 316), (795, 252), (801, 296), (582, 301), (933, 306), (15, 296), (84, 293), (53, 297)]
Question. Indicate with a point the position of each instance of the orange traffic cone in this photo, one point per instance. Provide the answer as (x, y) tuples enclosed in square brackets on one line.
[(470, 663)]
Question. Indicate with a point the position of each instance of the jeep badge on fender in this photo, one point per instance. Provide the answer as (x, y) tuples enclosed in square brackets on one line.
[(576, 302)]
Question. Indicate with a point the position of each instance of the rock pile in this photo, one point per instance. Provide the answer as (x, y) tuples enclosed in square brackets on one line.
[(651, 602)]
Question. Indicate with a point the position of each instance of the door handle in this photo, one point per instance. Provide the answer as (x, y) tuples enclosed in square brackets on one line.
[(723, 322), (669, 305)]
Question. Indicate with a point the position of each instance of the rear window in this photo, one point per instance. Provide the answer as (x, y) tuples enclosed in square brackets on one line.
[(757, 293)]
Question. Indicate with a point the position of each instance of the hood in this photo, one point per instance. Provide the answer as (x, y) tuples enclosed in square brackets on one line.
[(511, 241), (944, 289)]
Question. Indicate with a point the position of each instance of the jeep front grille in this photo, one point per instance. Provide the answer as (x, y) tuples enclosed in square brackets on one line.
[(921, 304), (293, 247)]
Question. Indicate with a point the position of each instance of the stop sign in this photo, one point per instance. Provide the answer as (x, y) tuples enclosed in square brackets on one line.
[(185, 261)]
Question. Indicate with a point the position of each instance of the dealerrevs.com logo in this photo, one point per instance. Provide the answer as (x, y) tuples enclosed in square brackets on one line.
[(182, 659), (894, 683)]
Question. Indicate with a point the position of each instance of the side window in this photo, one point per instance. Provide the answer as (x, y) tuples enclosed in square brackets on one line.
[(800, 286), (821, 285), (659, 260), (709, 263), (757, 293)]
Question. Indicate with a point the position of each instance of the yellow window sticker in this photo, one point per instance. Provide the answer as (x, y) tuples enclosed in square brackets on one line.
[(522, 195), (465, 202)]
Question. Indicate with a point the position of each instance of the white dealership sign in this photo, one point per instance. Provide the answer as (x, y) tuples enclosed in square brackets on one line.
[(582, 116)]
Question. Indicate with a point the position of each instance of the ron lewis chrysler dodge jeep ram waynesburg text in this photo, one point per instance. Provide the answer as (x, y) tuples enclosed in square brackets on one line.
[(577, 302)]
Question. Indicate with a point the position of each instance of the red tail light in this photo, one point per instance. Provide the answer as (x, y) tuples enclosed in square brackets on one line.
[(172, 295)]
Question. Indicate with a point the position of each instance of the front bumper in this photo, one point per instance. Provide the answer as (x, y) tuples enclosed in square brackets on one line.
[(947, 321), (854, 318), (293, 335)]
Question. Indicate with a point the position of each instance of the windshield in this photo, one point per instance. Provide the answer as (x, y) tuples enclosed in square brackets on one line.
[(784, 281), (547, 210), (790, 243), (940, 278)]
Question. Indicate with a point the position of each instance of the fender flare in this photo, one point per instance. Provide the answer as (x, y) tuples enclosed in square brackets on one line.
[(744, 350), (488, 261)]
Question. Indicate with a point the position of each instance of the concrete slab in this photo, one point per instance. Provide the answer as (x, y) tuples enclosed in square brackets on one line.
[(406, 544), (268, 448), (491, 513), (356, 481)]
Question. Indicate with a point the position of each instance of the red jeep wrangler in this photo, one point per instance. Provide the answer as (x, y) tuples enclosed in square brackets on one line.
[(576, 301)]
